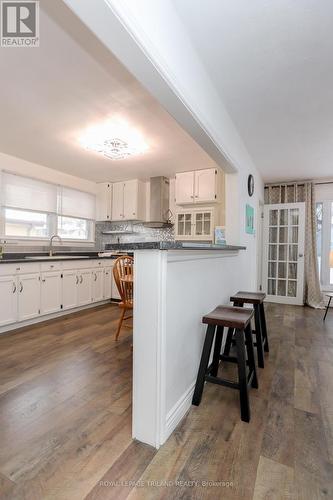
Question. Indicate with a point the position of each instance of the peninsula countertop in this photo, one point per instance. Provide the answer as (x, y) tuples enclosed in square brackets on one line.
[(171, 245)]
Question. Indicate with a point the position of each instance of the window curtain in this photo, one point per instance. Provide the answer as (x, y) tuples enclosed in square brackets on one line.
[(302, 192)]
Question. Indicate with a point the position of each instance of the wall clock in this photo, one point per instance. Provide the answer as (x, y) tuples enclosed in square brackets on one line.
[(250, 185)]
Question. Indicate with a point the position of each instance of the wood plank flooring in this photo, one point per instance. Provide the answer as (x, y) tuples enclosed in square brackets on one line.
[(65, 418)]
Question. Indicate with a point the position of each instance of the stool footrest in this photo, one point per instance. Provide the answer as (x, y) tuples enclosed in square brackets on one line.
[(222, 381)]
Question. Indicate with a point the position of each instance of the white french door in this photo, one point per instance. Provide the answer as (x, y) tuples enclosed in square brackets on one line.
[(283, 270)]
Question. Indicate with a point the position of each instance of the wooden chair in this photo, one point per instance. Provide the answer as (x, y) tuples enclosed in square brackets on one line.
[(123, 276)]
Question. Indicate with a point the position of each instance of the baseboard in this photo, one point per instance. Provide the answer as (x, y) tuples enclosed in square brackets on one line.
[(178, 411)]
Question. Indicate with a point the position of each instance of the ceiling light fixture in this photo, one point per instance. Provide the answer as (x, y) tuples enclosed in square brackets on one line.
[(115, 140)]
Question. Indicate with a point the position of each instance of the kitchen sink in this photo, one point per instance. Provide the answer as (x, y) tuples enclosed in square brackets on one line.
[(57, 257)]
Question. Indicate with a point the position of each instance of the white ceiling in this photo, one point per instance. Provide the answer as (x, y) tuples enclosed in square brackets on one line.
[(271, 61), (51, 94)]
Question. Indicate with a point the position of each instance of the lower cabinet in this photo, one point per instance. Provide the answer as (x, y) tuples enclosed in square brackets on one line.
[(51, 292), (97, 284), (8, 301), (25, 294), (70, 281), (28, 296), (108, 282), (84, 295)]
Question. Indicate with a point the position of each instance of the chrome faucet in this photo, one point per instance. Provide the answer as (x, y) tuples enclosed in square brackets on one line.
[(51, 242)]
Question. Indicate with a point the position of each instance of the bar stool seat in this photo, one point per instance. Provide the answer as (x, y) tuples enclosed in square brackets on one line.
[(238, 319), (257, 300)]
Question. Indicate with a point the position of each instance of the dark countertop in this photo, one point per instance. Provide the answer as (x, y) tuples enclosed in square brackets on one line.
[(14, 258), (171, 245)]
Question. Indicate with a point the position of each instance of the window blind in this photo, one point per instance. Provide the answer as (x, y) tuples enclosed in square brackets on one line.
[(28, 194), (74, 203)]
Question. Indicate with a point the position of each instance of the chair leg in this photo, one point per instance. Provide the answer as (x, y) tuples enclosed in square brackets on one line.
[(264, 327), (259, 339), (120, 323), (327, 308), (203, 365), (228, 342), (217, 351), (242, 376), (250, 356)]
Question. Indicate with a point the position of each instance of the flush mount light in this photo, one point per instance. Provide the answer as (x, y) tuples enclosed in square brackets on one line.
[(115, 140)]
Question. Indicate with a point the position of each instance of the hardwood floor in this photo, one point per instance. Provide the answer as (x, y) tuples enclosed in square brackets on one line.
[(65, 418)]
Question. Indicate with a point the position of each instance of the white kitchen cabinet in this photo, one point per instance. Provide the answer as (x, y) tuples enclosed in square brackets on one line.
[(118, 201), (51, 292), (84, 287), (28, 296), (104, 201), (70, 282), (114, 290), (128, 200), (8, 301), (97, 284), (200, 186), (184, 188), (108, 282), (195, 224)]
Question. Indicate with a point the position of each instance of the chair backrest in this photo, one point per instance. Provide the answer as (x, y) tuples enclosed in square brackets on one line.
[(123, 275)]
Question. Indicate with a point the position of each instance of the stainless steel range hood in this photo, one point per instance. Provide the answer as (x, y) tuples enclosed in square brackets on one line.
[(160, 213)]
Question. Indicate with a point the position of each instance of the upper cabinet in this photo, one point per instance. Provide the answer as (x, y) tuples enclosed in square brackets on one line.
[(200, 186), (104, 201), (128, 200)]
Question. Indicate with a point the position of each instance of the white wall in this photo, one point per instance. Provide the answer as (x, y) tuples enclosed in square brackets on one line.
[(29, 169)]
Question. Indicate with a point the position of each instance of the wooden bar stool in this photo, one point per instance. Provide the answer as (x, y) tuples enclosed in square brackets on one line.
[(257, 300), (239, 319)]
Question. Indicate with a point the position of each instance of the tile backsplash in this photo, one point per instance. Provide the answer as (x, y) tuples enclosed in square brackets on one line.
[(140, 233)]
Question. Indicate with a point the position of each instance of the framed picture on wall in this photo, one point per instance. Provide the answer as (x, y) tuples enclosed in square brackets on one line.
[(249, 219)]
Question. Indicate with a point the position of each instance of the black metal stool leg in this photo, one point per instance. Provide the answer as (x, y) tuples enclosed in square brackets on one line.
[(327, 308), (264, 327), (250, 356), (203, 365), (228, 341), (242, 376), (217, 351), (259, 338)]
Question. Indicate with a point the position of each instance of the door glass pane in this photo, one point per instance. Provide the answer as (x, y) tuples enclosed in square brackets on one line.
[(284, 217), (292, 271), (272, 269), (294, 234), (294, 212), (292, 288), (198, 228), (271, 287), (283, 235), (207, 227), (272, 252), (273, 217), (282, 270), (273, 235), (282, 286), (293, 253), (188, 224), (198, 217), (282, 252)]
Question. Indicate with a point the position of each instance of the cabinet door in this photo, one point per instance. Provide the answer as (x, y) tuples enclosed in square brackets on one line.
[(70, 282), (97, 285), (8, 301), (50, 292), (205, 186), (184, 188), (107, 282), (118, 201), (203, 225), (114, 289), (103, 201), (131, 199), (184, 225), (84, 287), (28, 296)]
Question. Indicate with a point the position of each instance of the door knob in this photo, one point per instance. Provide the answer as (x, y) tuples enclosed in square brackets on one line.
[(300, 255)]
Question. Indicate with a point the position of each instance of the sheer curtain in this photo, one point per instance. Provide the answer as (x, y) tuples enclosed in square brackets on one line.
[(302, 192)]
